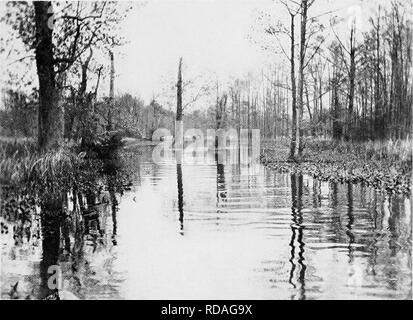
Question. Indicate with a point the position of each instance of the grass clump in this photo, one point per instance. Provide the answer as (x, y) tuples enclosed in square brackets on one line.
[(382, 164)]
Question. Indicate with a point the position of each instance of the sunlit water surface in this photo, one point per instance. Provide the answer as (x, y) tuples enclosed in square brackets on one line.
[(208, 231)]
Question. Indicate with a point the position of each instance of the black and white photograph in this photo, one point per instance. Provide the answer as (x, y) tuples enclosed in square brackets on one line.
[(206, 150)]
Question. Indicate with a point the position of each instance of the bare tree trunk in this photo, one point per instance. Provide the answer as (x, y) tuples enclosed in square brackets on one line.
[(179, 93), (50, 133), (309, 111), (111, 91), (323, 124), (179, 137), (337, 130), (80, 101), (293, 144), (239, 118), (352, 76), (50, 117), (378, 123), (304, 7)]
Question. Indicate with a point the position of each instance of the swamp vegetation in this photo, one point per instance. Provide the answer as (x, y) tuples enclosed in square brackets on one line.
[(333, 180)]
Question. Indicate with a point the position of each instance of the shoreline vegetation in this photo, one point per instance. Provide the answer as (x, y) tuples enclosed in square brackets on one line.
[(21, 161), (385, 165)]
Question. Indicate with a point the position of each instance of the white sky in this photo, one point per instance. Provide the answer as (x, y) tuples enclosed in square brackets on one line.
[(212, 36)]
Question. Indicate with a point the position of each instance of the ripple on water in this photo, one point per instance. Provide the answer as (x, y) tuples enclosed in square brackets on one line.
[(208, 231)]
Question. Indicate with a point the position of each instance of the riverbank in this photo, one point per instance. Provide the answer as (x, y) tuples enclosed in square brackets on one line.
[(382, 165), (240, 220)]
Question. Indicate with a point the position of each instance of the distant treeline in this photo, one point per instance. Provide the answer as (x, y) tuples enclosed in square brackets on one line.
[(354, 87), (129, 115), (352, 90)]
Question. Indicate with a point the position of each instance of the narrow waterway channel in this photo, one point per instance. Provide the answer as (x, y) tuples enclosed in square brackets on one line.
[(203, 230)]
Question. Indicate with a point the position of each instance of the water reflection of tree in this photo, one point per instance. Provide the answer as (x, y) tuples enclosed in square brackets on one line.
[(180, 197), (75, 214), (336, 225), (394, 241), (296, 242), (316, 193), (50, 252), (365, 198), (221, 187), (350, 223), (394, 225)]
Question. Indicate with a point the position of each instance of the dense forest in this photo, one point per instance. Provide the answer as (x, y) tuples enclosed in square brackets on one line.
[(353, 88)]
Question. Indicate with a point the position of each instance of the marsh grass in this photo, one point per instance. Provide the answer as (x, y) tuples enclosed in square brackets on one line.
[(395, 150), (382, 164), (52, 172), (62, 171)]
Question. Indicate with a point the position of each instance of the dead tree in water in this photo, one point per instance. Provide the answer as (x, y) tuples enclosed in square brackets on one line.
[(303, 45), (179, 93), (179, 110), (82, 102), (291, 59), (351, 71), (352, 76), (220, 113), (293, 88)]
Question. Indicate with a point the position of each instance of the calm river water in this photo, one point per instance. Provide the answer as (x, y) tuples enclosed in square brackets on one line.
[(208, 231)]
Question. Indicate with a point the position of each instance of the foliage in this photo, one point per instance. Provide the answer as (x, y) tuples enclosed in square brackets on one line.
[(76, 34), (50, 173), (385, 165), (18, 118), (77, 27)]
